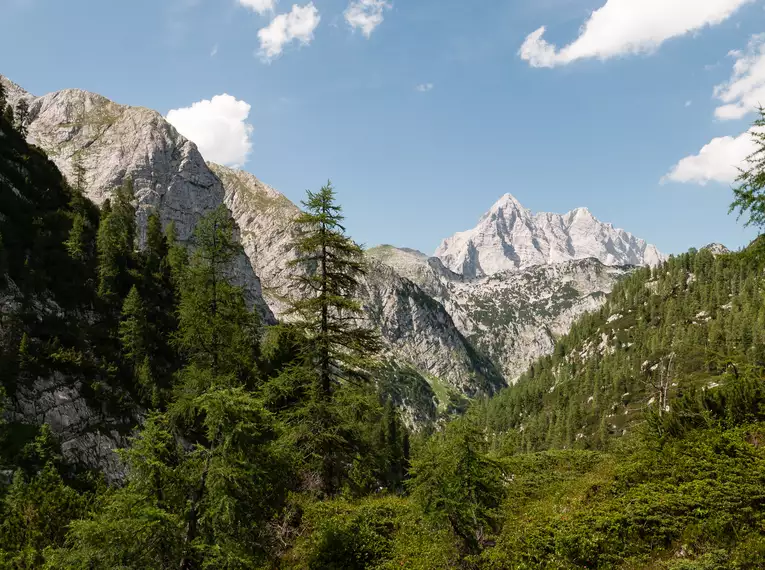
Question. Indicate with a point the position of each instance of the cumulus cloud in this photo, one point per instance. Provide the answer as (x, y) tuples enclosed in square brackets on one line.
[(424, 87), (366, 15), (745, 90), (297, 25), (218, 127), (259, 6), (622, 27), (718, 161)]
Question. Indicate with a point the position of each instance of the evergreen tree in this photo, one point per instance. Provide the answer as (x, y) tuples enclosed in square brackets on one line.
[(22, 117), (216, 330), (456, 483), (8, 115), (335, 351), (77, 242), (116, 245), (134, 340), (750, 193)]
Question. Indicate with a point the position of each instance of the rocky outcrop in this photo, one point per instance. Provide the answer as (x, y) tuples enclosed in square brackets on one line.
[(716, 249), (512, 317), (509, 238), (89, 436), (113, 142)]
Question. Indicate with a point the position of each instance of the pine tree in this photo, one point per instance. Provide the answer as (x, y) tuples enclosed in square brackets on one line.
[(750, 193), (8, 115), (219, 336), (134, 337), (457, 484), (216, 330), (22, 117), (76, 243), (336, 351), (116, 245), (329, 309)]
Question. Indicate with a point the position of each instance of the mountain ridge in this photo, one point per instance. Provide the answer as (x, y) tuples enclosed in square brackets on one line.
[(509, 237)]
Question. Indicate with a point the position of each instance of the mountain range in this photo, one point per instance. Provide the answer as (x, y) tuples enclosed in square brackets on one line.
[(460, 324)]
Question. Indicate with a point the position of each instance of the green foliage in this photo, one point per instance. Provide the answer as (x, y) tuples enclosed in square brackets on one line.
[(116, 244), (333, 355), (750, 193), (456, 484), (697, 499), (332, 264), (374, 533), (37, 506), (690, 326), (22, 117)]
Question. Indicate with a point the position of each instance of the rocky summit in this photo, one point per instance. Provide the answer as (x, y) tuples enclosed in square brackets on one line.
[(510, 237)]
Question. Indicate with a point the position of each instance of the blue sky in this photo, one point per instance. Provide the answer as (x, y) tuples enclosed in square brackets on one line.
[(600, 121)]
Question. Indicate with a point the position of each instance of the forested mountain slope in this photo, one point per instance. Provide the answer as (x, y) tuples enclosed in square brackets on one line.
[(55, 356), (682, 328)]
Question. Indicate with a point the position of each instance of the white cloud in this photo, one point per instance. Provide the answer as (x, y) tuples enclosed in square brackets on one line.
[(297, 25), (259, 6), (218, 127), (214, 51), (745, 90), (717, 161), (366, 15), (623, 27), (688, 103), (424, 87)]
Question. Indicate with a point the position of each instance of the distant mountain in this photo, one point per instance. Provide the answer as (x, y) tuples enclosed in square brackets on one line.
[(509, 237)]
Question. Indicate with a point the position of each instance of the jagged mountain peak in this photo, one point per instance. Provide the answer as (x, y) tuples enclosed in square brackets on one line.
[(509, 237)]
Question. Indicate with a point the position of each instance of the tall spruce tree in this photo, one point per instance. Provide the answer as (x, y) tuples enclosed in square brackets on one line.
[(328, 310), (750, 193), (336, 351), (115, 243), (22, 117)]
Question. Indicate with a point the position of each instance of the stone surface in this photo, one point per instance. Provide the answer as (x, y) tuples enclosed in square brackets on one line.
[(113, 142), (509, 237), (512, 317)]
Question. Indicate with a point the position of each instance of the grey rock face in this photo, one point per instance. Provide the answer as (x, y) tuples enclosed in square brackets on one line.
[(512, 317), (716, 249), (114, 142), (88, 436), (510, 238)]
